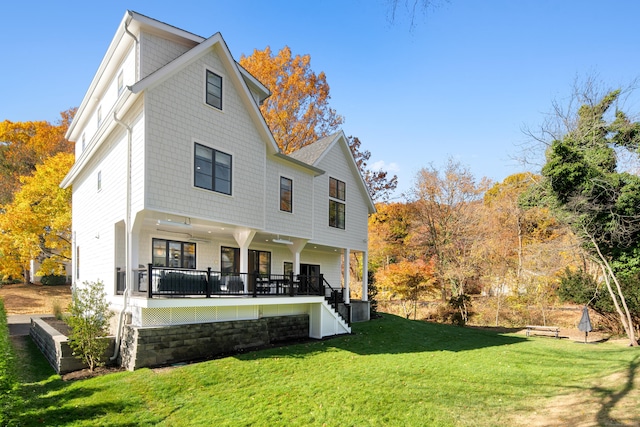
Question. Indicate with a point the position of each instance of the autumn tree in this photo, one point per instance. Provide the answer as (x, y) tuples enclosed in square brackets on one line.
[(447, 224), (379, 183), (37, 223), (23, 145), (390, 234), (298, 111), (524, 249), (408, 281), (600, 202)]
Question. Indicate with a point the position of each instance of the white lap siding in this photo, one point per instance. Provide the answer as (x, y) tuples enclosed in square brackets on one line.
[(95, 212)]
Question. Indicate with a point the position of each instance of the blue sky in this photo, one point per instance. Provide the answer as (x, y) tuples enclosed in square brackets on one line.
[(462, 83)]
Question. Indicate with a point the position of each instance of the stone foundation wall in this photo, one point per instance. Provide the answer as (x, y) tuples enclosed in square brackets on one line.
[(156, 346)]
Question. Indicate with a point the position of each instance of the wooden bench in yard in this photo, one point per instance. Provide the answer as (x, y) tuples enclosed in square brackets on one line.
[(536, 329)]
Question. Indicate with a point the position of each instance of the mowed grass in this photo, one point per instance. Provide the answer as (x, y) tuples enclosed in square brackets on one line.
[(390, 371)]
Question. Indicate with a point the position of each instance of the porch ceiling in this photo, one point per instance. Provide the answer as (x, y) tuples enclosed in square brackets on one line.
[(205, 231)]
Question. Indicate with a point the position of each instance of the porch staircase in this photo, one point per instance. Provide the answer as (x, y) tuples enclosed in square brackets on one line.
[(335, 299)]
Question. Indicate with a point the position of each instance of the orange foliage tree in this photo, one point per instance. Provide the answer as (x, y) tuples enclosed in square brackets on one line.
[(297, 112), (23, 145), (408, 281)]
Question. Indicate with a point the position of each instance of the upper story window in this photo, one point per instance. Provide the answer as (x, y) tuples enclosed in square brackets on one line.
[(120, 82), (170, 253), (212, 169), (286, 194), (83, 142), (214, 90), (99, 185), (99, 115), (337, 197)]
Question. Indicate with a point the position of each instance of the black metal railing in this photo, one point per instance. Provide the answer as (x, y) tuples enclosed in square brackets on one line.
[(162, 281), (182, 282), (335, 298)]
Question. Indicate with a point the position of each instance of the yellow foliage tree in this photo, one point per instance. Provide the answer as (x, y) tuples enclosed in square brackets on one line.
[(297, 112), (408, 281), (23, 145), (37, 223)]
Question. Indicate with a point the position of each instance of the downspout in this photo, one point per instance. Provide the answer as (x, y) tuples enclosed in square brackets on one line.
[(127, 242)]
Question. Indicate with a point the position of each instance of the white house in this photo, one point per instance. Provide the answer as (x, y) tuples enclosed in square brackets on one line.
[(188, 212)]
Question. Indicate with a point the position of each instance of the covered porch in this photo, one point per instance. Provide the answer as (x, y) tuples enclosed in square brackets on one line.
[(208, 259)]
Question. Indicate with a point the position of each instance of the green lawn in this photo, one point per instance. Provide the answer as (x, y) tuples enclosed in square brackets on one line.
[(391, 371)]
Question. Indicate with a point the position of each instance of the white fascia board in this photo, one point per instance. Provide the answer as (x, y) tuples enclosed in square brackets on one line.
[(123, 104), (145, 21), (234, 71), (251, 80), (89, 97)]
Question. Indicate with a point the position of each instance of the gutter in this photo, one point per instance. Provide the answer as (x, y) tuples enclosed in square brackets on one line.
[(127, 244)]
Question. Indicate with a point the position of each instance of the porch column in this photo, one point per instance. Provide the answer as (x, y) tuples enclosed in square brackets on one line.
[(345, 275), (243, 238), (365, 276), (296, 248)]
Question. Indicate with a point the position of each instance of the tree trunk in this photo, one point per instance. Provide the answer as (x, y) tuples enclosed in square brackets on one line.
[(627, 321), (628, 327)]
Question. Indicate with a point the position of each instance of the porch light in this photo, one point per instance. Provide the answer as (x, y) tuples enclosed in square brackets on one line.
[(283, 241)]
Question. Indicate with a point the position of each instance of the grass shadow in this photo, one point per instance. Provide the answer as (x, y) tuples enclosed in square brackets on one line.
[(42, 397), (392, 334), (609, 398)]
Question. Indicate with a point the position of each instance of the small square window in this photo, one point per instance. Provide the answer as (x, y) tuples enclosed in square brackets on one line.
[(214, 90)]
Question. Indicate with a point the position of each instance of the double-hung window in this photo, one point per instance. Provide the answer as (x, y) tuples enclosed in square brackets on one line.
[(212, 169), (214, 90), (337, 198), (170, 253), (286, 194)]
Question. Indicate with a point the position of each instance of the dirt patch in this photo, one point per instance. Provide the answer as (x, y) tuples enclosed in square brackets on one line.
[(610, 401), (84, 374), (23, 298)]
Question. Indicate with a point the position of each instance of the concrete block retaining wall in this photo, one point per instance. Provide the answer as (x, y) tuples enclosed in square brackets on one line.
[(55, 347), (156, 346)]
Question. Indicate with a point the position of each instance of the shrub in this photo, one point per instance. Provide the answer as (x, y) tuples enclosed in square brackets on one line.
[(57, 309), (53, 279), (8, 381), (89, 321)]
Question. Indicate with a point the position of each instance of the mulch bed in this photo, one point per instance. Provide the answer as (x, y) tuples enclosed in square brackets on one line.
[(59, 325)]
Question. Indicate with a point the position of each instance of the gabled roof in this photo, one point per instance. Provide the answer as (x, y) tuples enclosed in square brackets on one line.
[(134, 22), (239, 76), (313, 154)]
